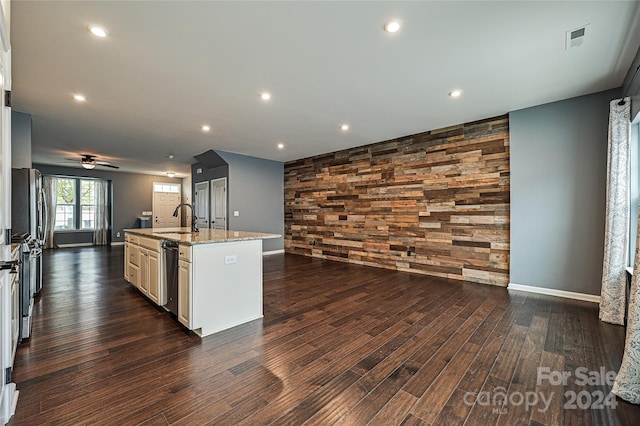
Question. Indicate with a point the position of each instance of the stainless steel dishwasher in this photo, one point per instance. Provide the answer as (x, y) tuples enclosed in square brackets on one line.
[(171, 275)]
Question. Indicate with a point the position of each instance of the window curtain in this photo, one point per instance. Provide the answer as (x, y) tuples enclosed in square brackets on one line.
[(101, 230), (50, 201), (627, 383), (614, 275)]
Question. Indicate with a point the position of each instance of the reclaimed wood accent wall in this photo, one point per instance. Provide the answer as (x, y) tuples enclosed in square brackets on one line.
[(435, 203)]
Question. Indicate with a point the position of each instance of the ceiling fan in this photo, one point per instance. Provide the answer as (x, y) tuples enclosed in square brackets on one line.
[(89, 162)]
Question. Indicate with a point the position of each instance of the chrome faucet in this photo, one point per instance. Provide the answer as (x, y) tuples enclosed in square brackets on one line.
[(194, 218)]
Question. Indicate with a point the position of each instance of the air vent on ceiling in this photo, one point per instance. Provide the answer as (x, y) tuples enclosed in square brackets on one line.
[(577, 37)]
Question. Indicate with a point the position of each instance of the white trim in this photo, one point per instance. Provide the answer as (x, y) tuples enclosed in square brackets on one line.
[(553, 292), (75, 245), (268, 253), (629, 270), (117, 243)]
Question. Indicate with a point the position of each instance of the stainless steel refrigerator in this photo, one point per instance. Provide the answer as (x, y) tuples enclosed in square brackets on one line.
[(27, 217)]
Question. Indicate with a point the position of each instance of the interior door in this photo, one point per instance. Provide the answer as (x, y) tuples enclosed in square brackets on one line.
[(201, 200), (8, 393), (219, 203), (164, 204)]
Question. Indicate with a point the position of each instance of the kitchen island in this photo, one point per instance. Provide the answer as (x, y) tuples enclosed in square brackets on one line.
[(219, 274)]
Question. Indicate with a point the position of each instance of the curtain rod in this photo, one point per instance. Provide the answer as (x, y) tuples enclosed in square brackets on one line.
[(74, 177), (622, 102)]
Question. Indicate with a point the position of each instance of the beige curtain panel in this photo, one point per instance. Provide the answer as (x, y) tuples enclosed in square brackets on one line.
[(614, 275)]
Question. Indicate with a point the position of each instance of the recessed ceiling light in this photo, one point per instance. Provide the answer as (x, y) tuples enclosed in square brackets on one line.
[(393, 26), (170, 156), (344, 127), (280, 146), (78, 97), (206, 128), (98, 31), (455, 93), (265, 96), (171, 174)]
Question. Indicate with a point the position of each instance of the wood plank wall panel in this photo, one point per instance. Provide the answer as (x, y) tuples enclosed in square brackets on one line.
[(442, 194)]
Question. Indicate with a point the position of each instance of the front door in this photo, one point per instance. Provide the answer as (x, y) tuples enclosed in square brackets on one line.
[(201, 206), (219, 203), (164, 204)]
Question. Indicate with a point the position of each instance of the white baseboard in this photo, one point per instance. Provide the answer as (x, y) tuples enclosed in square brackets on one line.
[(75, 245), (553, 292), (267, 253), (117, 243)]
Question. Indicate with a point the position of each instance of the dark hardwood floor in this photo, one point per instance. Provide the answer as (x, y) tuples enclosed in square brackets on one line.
[(339, 344)]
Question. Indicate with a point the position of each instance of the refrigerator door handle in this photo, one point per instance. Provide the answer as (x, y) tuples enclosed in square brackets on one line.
[(12, 265)]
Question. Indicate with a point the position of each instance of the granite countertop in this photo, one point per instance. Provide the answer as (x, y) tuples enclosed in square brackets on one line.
[(204, 236)]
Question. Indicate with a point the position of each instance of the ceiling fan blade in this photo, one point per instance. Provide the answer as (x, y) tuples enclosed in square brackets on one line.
[(100, 163)]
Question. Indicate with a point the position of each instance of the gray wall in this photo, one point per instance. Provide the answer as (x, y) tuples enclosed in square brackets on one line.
[(132, 194), (558, 174), (20, 140), (255, 188)]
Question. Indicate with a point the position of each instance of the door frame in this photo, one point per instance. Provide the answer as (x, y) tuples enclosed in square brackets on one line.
[(211, 214)]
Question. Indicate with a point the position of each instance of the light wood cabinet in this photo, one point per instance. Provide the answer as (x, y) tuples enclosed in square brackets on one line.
[(126, 261), (143, 282), (144, 267), (184, 293), (155, 288)]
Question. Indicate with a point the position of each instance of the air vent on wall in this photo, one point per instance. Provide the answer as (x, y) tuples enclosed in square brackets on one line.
[(577, 37)]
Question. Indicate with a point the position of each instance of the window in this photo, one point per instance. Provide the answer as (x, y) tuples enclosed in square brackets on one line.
[(87, 204), (65, 210), (166, 187), (76, 204)]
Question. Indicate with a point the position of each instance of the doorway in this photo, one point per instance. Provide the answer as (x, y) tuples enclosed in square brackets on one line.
[(219, 203), (201, 204), (166, 196)]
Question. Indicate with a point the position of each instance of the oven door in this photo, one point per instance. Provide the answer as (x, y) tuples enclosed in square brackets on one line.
[(15, 307), (34, 270), (25, 283), (27, 286), (15, 314)]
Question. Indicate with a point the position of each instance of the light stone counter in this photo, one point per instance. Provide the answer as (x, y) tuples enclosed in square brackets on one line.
[(204, 236)]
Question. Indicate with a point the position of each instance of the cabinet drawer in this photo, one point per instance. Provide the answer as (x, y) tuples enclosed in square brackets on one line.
[(184, 252), (150, 243), (133, 239), (134, 255), (133, 275)]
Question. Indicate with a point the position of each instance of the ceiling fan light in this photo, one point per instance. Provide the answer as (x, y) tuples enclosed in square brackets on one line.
[(88, 166)]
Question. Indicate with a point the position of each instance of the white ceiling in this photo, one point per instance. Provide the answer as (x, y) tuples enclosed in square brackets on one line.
[(169, 67)]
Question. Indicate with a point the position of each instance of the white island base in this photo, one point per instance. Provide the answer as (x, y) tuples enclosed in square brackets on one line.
[(226, 285), (219, 274)]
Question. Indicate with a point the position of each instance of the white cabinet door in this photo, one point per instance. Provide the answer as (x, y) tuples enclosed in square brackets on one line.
[(184, 293), (153, 275), (8, 393)]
